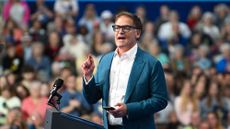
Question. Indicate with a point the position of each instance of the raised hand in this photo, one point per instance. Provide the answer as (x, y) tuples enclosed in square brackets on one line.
[(88, 67)]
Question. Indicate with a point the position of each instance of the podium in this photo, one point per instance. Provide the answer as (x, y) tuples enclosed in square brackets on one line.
[(58, 120), (55, 119)]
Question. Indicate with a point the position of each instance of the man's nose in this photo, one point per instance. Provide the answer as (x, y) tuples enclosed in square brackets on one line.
[(121, 31)]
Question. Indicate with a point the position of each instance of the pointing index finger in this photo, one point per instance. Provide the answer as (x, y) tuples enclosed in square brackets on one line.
[(90, 58)]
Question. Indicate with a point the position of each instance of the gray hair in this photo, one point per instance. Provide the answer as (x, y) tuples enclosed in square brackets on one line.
[(225, 47)]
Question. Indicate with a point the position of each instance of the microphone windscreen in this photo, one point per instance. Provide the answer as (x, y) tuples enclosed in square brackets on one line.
[(58, 83)]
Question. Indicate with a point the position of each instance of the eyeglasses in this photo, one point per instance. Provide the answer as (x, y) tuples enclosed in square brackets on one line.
[(125, 28)]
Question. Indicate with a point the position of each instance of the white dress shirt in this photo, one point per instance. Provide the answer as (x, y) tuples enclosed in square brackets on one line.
[(119, 76)]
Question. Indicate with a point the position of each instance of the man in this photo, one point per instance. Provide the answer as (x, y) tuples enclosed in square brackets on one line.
[(128, 79)]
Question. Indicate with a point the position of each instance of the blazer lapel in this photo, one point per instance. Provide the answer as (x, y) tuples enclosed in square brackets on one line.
[(138, 65), (109, 60)]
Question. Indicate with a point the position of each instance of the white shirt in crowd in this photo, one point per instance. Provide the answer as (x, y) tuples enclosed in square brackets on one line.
[(64, 6), (166, 31)]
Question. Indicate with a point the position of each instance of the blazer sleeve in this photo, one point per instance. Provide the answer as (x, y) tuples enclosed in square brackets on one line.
[(158, 96), (92, 90)]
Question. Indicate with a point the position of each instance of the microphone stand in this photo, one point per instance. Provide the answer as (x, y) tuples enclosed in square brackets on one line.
[(54, 100)]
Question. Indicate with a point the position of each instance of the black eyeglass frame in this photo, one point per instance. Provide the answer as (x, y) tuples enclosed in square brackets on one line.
[(125, 28)]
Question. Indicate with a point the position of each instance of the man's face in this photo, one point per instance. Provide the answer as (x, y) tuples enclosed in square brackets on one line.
[(125, 33)]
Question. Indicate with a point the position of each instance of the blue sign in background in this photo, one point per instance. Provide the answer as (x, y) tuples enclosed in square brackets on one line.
[(152, 6)]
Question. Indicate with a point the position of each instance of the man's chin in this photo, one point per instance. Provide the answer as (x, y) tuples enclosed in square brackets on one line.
[(120, 44)]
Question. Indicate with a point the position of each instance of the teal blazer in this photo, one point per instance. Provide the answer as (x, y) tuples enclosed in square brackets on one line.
[(146, 92)]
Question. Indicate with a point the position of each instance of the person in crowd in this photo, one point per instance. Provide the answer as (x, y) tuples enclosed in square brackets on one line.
[(26, 46), (84, 35), (18, 10), (179, 62), (36, 31), (223, 65), (56, 69), (171, 85), (202, 60), (45, 90), (226, 90), (100, 46), (36, 121), (14, 120), (186, 104), (106, 26), (72, 101), (21, 91), (12, 32), (65, 72), (28, 75), (204, 125), (74, 48), (40, 62), (34, 104), (199, 38), (53, 46), (96, 118), (42, 13), (72, 45), (200, 87), (225, 31), (214, 121), (148, 35), (162, 117), (195, 74), (163, 16), (195, 42), (12, 62), (8, 100), (1, 25), (174, 30), (140, 11), (3, 81), (90, 18), (173, 121), (194, 17), (155, 50), (214, 102), (66, 8), (11, 79), (221, 14), (208, 27), (56, 25), (195, 121)]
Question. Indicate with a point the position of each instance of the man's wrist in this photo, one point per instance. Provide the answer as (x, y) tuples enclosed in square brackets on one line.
[(87, 79)]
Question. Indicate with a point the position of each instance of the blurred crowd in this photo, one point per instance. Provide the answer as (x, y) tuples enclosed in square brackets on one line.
[(49, 43)]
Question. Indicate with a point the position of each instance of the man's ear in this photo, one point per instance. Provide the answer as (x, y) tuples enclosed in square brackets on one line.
[(138, 34)]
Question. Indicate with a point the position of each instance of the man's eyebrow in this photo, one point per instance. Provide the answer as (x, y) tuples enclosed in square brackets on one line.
[(123, 25)]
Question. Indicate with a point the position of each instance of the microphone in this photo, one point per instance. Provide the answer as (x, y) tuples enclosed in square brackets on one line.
[(57, 85)]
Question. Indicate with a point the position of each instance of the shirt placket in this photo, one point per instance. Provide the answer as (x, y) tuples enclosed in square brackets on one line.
[(115, 85), (117, 81)]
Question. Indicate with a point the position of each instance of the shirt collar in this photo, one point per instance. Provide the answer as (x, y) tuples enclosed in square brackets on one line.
[(131, 53)]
